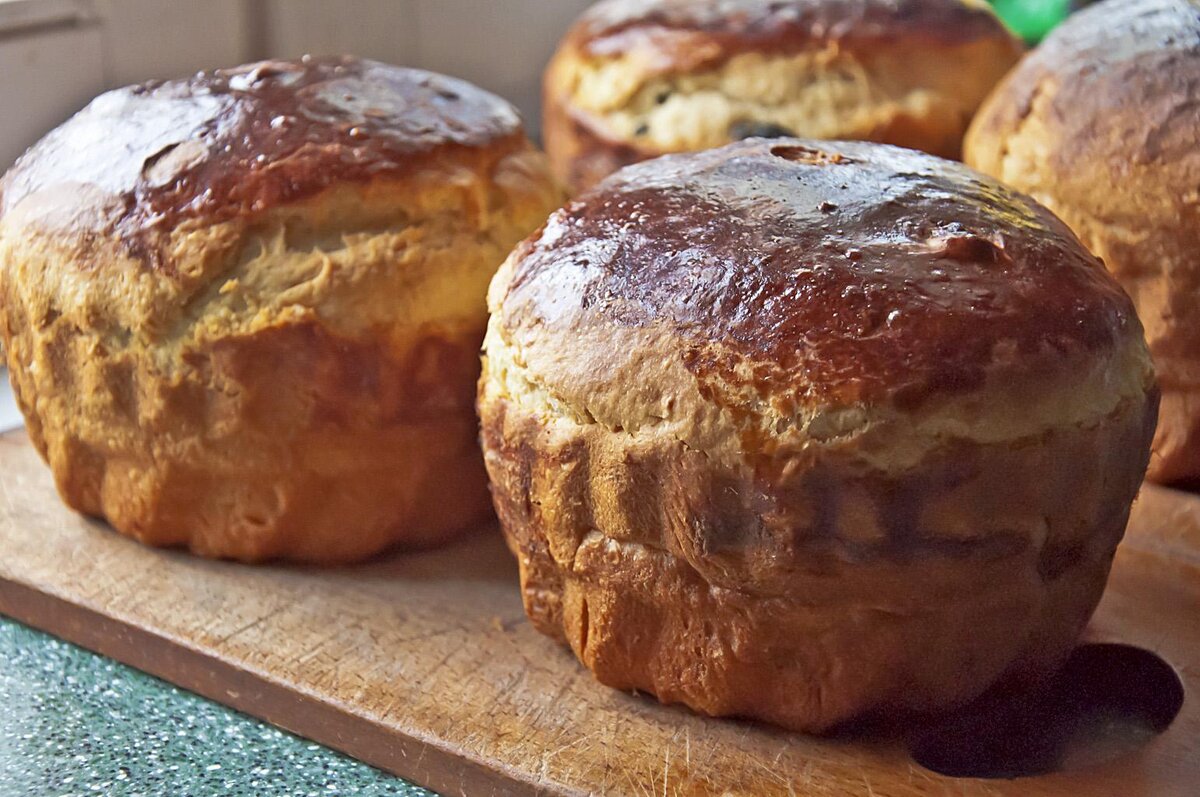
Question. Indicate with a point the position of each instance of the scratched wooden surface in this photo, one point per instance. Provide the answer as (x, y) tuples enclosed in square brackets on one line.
[(424, 665)]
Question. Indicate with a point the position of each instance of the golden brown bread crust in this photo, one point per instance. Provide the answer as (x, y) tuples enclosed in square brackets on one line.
[(1102, 124), (618, 546), (266, 346), (634, 79), (798, 431)]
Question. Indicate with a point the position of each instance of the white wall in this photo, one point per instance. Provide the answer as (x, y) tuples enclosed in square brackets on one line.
[(57, 54), (169, 38), (385, 30), (51, 63), (501, 45)]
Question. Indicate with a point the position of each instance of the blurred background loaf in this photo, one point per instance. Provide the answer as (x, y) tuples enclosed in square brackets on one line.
[(634, 79), (1102, 125)]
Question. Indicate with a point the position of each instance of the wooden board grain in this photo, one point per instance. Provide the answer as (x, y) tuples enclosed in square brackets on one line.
[(424, 665)]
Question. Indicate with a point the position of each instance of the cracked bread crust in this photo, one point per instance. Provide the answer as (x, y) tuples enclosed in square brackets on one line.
[(823, 543), (634, 80), (1102, 125), (276, 357)]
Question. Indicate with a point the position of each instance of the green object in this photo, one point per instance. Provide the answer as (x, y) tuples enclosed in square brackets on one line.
[(1032, 19), (74, 723)]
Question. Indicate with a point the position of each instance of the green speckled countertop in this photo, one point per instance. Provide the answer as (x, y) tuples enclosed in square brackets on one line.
[(74, 723)]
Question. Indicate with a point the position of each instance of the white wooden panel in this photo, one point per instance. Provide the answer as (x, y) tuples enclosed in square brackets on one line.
[(172, 38), (379, 29), (22, 15), (45, 76), (502, 45)]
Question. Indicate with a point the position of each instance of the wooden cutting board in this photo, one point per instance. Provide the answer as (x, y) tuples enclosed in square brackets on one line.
[(425, 666)]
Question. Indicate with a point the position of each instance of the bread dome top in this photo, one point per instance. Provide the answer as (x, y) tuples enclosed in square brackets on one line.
[(236, 142), (822, 271)]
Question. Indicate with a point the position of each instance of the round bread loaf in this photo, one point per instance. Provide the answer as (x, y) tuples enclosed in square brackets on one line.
[(634, 79), (243, 311), (1102, 125), (797, 431)]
